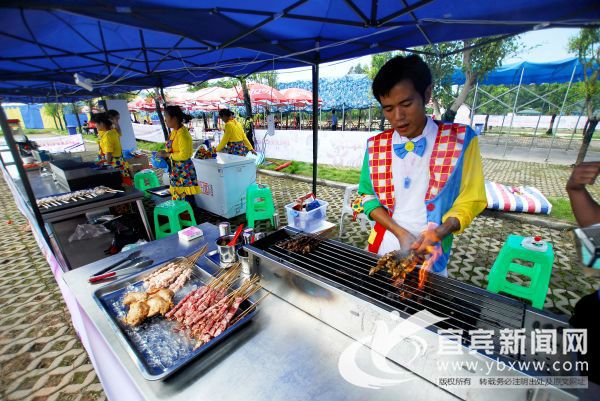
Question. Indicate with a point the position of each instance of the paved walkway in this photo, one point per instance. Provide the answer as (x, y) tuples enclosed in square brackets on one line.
[(41, 357), (561, 150)]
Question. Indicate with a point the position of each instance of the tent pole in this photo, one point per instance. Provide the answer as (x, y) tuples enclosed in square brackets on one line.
[(561, 111), (575, 129), (535, 130), (475, 103), (160, 116), (315, 127), (501, 128), (369, 127), (343, 117), (512, 119), (320, 117), (14, 150)]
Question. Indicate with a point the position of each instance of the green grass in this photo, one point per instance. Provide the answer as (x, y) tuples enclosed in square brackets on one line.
[(561, 209), (150, 146), (325, 172)]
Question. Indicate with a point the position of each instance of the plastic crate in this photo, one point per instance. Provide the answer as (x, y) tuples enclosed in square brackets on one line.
[(307, 221)]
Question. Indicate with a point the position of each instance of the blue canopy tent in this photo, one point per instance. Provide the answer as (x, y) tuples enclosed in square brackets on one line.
[(561, 71), (525, 73), (122, 46), (143, 44)]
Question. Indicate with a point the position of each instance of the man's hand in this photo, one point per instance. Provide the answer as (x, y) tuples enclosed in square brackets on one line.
[(426, 242), (433, 235), (582, 175), (405, 239)]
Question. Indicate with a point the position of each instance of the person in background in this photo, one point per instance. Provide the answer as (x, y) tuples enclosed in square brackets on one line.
[(334, 120), (110, 151), (234, 139), (85, 127), (183, 178), (297, 121), (215, 117), (587, 213), (115, 116), (145, 122), (92, 127)]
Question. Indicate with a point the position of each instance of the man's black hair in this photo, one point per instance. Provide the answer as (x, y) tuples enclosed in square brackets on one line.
[(400, 68)]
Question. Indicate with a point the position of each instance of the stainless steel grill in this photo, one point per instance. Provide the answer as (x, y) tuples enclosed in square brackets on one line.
[(332, 283)]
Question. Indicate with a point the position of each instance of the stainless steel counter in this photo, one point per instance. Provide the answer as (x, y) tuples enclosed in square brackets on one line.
[(284, 354)]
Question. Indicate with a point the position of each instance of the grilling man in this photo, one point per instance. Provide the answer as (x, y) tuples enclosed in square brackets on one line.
[(422, 180)]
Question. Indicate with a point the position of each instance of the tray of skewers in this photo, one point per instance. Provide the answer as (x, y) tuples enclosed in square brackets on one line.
[(69, 199), (171, 314)]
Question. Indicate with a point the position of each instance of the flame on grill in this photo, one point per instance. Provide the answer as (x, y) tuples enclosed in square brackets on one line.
[(432, 253), (399, 264)]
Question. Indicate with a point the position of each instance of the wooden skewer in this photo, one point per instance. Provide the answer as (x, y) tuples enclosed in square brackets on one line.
[(253, 306)]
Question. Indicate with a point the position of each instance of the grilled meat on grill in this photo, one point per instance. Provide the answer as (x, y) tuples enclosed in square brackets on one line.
[(398, 265), (304, 243)]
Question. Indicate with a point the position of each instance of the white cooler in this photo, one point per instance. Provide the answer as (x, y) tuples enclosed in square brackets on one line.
[(223, 182)]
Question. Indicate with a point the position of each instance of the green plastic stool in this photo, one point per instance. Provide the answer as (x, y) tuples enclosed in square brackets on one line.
[(145, 179), (539, 273), (172, 211), (259, 205)]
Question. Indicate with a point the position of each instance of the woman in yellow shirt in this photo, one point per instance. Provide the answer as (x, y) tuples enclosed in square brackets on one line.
[(109, 143), (234, 139), (179, 150)]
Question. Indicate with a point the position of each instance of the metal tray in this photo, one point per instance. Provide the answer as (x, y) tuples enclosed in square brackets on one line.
[(162, 191), (155, 346)]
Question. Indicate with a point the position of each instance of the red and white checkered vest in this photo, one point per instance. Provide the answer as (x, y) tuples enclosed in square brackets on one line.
[(448, 146)]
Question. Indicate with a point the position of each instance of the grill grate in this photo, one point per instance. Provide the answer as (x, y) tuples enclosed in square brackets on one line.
[(463, 307)]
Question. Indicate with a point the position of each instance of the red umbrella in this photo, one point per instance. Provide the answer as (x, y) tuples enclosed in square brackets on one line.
[(260, 93), (214, 95), (298, 97)]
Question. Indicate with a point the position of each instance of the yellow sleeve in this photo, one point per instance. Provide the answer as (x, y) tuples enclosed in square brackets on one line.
[(182, 146), (471, 200), (108, 143), (227, 133)]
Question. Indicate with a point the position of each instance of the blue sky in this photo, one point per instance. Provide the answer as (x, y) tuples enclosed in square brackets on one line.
[(538, 46)]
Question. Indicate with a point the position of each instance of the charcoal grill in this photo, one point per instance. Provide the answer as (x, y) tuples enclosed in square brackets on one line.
[(332, 283)]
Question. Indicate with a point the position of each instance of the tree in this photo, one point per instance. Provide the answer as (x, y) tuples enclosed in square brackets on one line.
[(378, 60), (476, 63), (442, 67), (586, 44), (358, 69), (266, 78), (75, 108), (223, 83), (54, 110)]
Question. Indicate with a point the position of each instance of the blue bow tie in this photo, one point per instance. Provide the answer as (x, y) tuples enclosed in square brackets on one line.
[(417, 147)]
